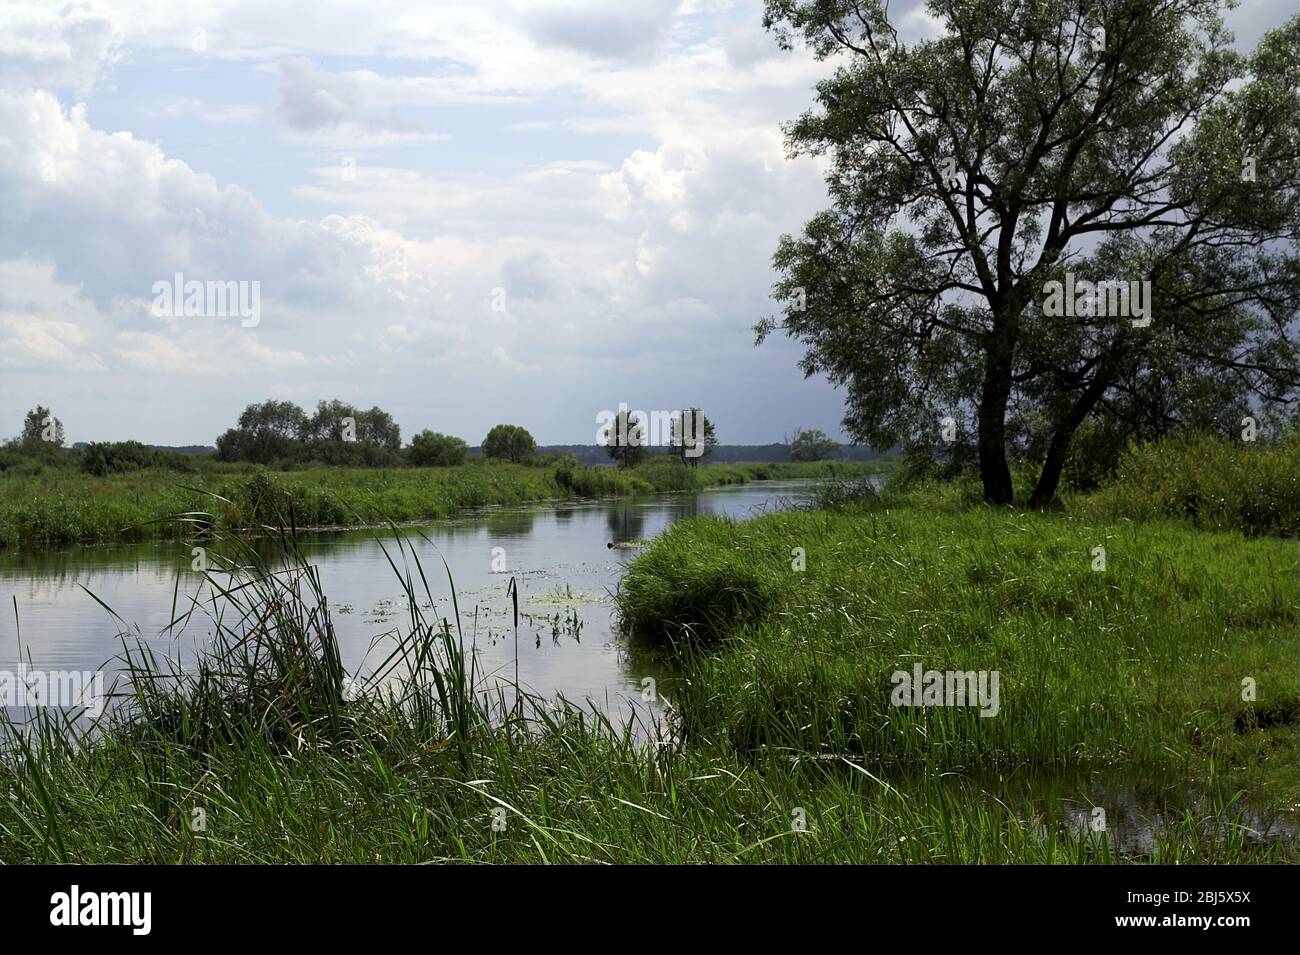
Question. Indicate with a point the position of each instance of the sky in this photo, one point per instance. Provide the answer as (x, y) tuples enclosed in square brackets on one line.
[(464, 213)]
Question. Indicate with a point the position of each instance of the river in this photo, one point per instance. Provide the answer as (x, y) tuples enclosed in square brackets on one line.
[(568, 644)]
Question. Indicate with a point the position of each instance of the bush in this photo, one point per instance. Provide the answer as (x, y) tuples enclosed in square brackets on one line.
[(240, 444), (596, 482), (1214, 483), (665, 472), (15, 461), (566, 466), (1095, 453), (923, 464), (431, 449), (509, 442), (686, 587), (121, 457), (352, 454)]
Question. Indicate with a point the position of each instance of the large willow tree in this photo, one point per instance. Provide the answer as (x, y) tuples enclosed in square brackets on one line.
[(1035, 142)]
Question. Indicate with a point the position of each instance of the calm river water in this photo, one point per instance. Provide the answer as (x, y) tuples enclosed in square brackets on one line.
[(559, 555)]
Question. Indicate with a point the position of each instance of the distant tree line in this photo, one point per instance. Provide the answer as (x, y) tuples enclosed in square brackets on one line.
[(40, 442), (338, 433)]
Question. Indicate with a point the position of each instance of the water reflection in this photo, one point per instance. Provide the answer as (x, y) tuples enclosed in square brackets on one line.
[(565, 572), (626, 522)]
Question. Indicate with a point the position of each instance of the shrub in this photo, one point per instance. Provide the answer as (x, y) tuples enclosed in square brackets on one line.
[(509, 442), (666, 473), (15, 460), (848, 493), (595, 482), (119, 457), (1216, 484), (354, 454), (431, 449)]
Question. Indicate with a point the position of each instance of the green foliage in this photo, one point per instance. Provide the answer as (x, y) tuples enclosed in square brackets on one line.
[(958, 192), (812, 445), (122, 457), (591, 482), (351, 454), (856, 492), (41, 503), (23, 460), (666, 473), (625, 438), (705, 605), (267, 432), (431, 449), (1094, 454), (329, 425), (41, 430), (280, 432), (509, 442), (693, 436), (1253, 488)]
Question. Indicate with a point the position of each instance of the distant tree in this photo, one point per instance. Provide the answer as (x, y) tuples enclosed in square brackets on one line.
[(431, 449), (625, 441), (685, 434), (811, 445), (509, 442), (233, 445), (378, 426), (41, 429), (280, 430), (375, 426), (283, 419), (266, 432)]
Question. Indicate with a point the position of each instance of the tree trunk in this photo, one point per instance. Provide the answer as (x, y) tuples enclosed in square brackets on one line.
[(992, 421), (1050, 477), (994, 470)]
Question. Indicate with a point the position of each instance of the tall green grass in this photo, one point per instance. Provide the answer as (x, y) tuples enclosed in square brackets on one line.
[(1140, 665), (1215, 484), (282, 757), (61, 507)]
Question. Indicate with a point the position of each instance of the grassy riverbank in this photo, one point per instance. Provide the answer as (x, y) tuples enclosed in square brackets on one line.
[(61, 506), (782, 748), (1139, 666)]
